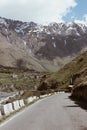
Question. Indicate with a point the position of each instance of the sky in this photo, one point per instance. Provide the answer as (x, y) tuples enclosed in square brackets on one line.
[(45, 11)]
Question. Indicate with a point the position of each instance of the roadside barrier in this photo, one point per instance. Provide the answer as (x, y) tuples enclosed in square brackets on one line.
[(21, 103), (6, 109), (30, 99), (0, 114), (16, 105)]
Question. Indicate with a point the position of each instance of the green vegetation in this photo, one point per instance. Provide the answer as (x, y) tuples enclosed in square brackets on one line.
[(12, 79), (76, 69)]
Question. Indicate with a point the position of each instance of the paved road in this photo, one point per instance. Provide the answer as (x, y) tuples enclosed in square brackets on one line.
[(57, 112)]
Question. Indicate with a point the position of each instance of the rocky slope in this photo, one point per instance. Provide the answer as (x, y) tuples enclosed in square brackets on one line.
[(74, 75), (40, 47)]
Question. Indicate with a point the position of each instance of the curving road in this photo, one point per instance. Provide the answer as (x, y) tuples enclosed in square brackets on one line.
[(56, 112)]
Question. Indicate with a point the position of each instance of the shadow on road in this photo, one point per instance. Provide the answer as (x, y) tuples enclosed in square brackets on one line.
[(80, 103), (83, 129), (72, 106)]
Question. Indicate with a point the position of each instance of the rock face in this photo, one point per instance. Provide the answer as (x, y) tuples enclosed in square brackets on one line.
[(40, 47)]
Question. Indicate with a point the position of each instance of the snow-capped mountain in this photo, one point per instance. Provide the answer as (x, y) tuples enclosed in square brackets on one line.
[(40, 47)]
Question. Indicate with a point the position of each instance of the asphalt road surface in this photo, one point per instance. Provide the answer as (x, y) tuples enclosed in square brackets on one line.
[(56, 112)]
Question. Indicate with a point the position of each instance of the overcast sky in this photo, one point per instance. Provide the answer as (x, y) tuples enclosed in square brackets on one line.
[(44, 11)]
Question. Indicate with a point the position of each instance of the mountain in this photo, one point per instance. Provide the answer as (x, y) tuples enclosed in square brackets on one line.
[(40, 47), (72, 74)]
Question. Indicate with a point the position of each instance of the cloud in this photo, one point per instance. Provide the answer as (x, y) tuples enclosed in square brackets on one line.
[(40, 11), (83, 20)]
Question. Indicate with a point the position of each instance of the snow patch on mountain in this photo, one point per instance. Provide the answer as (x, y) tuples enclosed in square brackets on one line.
[(71, 31), (24, 43), (54, 44), (53, 38), (65, 42), (2, 21), (83, 27)]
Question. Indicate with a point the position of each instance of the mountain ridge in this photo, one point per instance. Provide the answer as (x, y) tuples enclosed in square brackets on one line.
[(40, 47)]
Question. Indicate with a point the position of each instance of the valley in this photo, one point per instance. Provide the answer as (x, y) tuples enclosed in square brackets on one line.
[(29, 50), (41, 59)]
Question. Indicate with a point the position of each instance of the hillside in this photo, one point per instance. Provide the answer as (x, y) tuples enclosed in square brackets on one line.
[(13, 79), (74, 73), (40, 47)]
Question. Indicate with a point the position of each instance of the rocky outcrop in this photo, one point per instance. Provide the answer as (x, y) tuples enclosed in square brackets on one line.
[(80, 92)]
